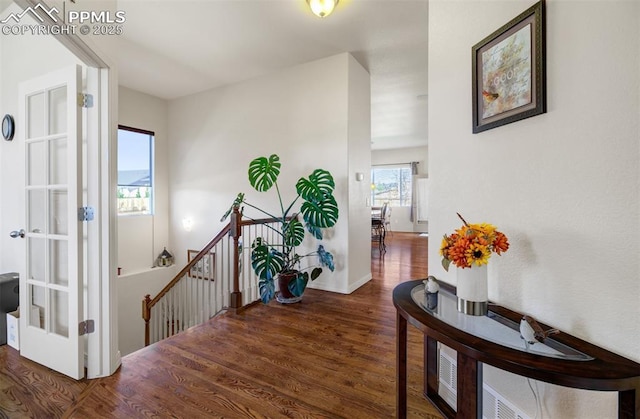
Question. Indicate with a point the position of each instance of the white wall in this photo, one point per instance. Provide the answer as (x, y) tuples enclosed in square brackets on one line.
[(300, 113), (401, 216), (23, 57), (359, 142), (131, 292), (563, 186), (141, 238)]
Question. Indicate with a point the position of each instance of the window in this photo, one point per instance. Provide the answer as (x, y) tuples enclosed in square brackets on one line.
[(135, 171), (392, 184)]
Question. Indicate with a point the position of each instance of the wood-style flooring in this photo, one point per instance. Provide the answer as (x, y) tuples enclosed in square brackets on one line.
[(331, 356)]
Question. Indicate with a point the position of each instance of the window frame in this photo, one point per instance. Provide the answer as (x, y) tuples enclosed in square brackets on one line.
[(401, 198), (152, 136)]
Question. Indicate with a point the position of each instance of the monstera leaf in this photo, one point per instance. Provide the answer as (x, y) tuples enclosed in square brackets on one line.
[(321, 214), (267, 290), (265, 260), (314, 230), (263, 172), (293, 232), (317, 187), (298, 284), (320, 209), (326, 259), (236, 203)]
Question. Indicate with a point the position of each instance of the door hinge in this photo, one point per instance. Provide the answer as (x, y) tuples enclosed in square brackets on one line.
[(85, 214), (86, 327), (85, 100)]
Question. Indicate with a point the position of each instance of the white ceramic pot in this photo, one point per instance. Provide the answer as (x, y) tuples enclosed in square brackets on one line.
[(472, 290)]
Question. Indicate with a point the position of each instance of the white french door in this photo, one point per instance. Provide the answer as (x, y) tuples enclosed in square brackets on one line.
[(51, 285)]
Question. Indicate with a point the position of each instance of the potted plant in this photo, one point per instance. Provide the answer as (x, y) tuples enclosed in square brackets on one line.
[(279, 259)]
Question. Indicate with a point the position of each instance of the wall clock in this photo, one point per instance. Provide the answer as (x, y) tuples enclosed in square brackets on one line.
[(8, 127)]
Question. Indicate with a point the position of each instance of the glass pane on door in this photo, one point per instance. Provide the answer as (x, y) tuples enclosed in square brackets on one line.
[(58, 223), (58, 259), (36, 313), (35, 106), (36, 152), (37, 210), (36, 264), (58, 110), (58, 161), (60, 313)]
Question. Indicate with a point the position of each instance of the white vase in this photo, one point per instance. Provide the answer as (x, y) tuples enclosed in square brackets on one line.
[(472, 290)]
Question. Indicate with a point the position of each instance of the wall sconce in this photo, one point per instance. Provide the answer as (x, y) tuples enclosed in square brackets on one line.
[(187, 224), (359, 176), (322, 8)]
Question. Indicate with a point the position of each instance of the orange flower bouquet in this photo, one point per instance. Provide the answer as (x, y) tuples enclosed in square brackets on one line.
[(472, 244)]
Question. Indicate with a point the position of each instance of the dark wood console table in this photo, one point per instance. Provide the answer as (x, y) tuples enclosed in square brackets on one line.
[(495, 340)]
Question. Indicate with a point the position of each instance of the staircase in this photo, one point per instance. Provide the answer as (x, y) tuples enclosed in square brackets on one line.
[(213, 281)]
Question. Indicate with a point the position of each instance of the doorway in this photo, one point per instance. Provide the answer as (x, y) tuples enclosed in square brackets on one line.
[(40, 55)]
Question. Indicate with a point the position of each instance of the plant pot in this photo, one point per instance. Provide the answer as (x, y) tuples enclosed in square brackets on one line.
[(472, 290), (284, 296)]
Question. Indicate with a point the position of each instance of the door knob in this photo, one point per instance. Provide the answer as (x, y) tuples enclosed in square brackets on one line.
[(17, 233)]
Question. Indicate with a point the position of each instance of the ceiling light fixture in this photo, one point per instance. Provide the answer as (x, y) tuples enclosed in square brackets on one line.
[(322, 8)]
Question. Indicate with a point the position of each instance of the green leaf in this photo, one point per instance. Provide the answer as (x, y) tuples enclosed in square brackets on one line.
[(293, 232), (315, 273), (321, 214), (326, 258), (445, 264), (315, 231), (236, 203), (265, 260), (319, 184), (263, 172), (298, 284), (267, 290)]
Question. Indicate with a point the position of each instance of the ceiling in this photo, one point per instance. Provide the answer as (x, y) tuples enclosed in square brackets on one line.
[(175, 48)]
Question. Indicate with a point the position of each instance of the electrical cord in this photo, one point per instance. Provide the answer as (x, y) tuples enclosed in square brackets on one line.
[(534, 391)]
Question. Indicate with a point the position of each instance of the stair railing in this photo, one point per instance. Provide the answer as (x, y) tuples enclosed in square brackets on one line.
[(219, 277)]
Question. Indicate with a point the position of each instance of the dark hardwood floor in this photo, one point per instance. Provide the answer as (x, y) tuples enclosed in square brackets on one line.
[(29, 390), (331, 356)]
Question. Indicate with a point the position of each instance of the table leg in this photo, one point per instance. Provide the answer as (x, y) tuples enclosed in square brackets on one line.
[(629, 404), (430, 367), (469, 387), (401, 367)]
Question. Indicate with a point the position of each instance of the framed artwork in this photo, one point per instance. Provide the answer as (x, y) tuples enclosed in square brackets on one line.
[(508, 72), (205, 268)]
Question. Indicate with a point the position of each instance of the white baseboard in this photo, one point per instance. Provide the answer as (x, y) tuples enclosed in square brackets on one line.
[(360, 282), (341, 290)]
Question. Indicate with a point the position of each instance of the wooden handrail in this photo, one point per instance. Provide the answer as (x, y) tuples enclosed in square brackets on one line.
[(251, 221), (189, 265)]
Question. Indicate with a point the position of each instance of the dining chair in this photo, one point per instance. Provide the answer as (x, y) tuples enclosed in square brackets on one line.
[(387, 221), (378, 228)]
